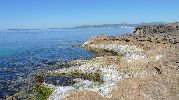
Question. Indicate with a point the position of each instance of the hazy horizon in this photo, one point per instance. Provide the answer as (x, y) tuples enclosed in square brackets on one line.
[(66, 13)]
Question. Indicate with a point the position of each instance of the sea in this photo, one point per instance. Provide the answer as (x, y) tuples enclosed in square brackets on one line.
[(24, 52)]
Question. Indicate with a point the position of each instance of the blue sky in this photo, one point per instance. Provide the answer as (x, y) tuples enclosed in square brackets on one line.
[(67, 13)]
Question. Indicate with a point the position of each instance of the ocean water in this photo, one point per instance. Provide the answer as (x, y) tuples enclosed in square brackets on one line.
[(24, 52)]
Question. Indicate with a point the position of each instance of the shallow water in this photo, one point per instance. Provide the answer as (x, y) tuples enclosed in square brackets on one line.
[(24, 52)]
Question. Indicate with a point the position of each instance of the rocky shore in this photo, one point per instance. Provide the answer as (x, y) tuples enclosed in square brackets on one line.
[(143, 65)]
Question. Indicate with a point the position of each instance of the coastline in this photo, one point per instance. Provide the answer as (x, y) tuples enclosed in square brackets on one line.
[(140, 65), (147, 68)]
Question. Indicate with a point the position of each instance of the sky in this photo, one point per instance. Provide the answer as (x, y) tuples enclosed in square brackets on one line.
[(69, 13)]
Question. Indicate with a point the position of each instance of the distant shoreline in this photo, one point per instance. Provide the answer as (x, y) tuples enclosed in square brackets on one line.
[(122, 25), (22, 29)]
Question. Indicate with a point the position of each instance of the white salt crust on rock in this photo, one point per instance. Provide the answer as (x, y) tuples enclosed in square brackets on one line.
[(130, 53), (109, 75)]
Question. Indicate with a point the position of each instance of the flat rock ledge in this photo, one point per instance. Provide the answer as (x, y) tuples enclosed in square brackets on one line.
[(145, 67)]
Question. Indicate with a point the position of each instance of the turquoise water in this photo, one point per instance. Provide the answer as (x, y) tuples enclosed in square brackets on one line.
[(25, 52)]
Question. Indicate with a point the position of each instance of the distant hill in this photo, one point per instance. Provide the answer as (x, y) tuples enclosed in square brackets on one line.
[(125, 25), (122, 25)]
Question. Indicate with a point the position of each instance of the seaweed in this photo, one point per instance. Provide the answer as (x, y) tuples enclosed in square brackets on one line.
[(35, 90), (93, 76), (43, 91), (101, 51)]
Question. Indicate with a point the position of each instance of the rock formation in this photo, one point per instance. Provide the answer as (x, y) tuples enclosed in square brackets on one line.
[(146, 67)]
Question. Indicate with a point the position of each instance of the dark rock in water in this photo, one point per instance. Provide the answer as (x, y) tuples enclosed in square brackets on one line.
[(59, 80), (51, 63), (4, 92), (39, 79)]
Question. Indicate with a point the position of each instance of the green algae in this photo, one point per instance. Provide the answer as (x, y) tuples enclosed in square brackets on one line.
[(79, 62), (93, 76), (35, 90), (101, 51), (43, 92)]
